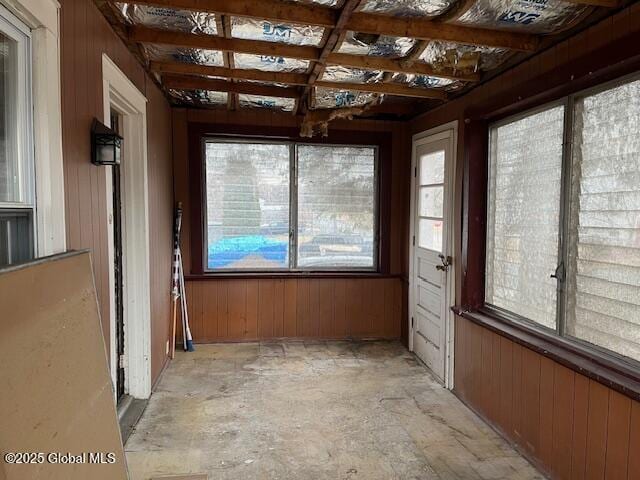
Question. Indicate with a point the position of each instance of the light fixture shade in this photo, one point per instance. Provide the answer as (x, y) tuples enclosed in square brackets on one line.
[(105, 145)]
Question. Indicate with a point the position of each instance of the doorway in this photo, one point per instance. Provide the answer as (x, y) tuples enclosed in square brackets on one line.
[(431, 262)]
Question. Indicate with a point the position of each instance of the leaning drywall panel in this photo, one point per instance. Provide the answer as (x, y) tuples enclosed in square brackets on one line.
[(57, 392)]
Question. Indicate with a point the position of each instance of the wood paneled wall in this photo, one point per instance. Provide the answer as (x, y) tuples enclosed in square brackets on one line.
[(243, 310), (572, 427), (249, 309), (85, 36)]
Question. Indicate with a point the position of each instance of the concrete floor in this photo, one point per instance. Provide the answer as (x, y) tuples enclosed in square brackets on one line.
[(312, 411)]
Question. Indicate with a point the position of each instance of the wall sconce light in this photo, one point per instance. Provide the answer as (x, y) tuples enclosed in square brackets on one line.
[(105, 145)]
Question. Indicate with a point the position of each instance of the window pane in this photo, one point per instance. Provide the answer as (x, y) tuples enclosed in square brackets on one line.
[(336, 206), (16, 236), (432, 168), (603, 304), (247, 205), (9, 162), (430, 234), (524, 215), (431, 201)]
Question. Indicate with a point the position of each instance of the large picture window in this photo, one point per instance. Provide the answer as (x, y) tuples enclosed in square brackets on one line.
[(563, 230), (287, 206)]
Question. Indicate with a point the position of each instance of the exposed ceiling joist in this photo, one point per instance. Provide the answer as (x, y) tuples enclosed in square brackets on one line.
[(391, 65), (212, 42), (234, 73), (277, 10), (386, 88), (179, 82), (430, 30), (367, 23)]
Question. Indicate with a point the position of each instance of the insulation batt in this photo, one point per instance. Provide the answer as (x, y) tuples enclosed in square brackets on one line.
[(407, 8), (425, 81), (253, 29), (198, 56), (269, 63), (169, 18), (463, 58), (274, 103), (532, 16), (197, 97), (337, 73), (376, 45), (338, 98)]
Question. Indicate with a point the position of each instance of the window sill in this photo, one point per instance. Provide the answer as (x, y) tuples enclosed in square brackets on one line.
[(590, 362), (285, 275)]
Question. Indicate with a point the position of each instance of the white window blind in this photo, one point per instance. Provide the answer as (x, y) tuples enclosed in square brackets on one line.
[(524, 215), (603, 301)]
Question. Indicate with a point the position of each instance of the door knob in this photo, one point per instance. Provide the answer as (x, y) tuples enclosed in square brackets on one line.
[(446, 262)]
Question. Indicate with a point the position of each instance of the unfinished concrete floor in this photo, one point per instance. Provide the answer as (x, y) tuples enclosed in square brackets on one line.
[(312, 411)]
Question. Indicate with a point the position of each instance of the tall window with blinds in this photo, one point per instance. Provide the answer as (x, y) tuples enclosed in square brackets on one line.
[(524, 215), (603, 282), (563, 224), (287, 206)]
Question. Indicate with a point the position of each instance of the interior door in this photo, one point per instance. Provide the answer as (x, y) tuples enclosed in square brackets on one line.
[(430, 258)]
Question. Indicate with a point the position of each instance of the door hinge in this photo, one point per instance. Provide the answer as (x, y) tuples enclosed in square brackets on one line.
[(122, 361)]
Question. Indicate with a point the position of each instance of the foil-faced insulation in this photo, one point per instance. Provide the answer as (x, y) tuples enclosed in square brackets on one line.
[(338, 98), (326, 3), (463, 58), (274, 103), (337, 73), (532, 16), (426, 81), (165, 53), (254, 29), (376, 45), (199, 97), (169, 18), (270, 63), (407, 8)]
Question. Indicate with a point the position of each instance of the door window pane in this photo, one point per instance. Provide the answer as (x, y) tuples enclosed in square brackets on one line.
[(430, 234), (336, 206), (524, 215), (432, 168), (603, 304), (431, 204), (247, 187)]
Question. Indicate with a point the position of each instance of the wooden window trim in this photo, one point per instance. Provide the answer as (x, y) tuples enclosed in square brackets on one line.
[(591, 361), (198, 131)]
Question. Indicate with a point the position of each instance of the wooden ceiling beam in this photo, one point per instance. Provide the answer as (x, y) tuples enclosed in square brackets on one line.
[(179, 82), (397, 65), (386, 88), (212, 42), (234, 73), (431, 30), (276, 10)]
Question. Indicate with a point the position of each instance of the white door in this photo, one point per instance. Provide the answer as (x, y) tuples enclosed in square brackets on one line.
[(430, 259)]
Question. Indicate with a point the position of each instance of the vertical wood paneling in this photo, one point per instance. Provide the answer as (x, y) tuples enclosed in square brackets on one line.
[(84, 36), (633, 470), (580, 420), (597, 431), (618, 430), (531, 400), (547, 416), (563, 398), (246, 309)]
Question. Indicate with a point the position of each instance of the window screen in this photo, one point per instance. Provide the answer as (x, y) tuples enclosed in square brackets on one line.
[(603, 302), (261, 217), (336, 207), (524, 215), (247, 206)]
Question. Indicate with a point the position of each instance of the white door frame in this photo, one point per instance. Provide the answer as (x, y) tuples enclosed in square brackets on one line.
[(448, 130), (120, 94)]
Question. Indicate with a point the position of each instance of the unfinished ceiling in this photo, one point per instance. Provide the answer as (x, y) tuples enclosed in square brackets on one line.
[(394, 57)]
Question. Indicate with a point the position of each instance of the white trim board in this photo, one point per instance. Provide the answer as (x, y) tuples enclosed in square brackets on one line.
[(445, 131), (121, 95)]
